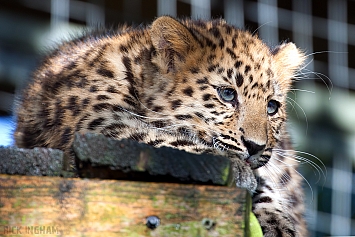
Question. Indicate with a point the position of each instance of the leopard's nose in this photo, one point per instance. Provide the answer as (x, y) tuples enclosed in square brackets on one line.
[(252, 147)]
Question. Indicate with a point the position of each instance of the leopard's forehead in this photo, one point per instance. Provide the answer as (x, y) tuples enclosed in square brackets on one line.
[(230, 57), (222, 37)]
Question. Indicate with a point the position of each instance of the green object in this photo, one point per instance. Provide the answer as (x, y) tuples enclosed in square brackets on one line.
[(254, 226)]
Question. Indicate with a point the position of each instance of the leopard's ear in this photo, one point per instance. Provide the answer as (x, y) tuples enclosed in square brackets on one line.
[(288, 60), (172, 40)]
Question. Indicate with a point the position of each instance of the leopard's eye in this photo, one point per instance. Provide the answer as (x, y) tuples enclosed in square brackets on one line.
[(272, 107), (227, 94)]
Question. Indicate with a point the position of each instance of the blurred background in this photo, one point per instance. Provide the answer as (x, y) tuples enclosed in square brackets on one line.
[(322, 105)]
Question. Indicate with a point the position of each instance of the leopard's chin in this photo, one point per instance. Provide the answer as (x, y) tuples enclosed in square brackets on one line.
[(257, 161)]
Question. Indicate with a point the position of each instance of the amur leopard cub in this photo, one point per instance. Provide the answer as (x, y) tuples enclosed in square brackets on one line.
[(199, 86)]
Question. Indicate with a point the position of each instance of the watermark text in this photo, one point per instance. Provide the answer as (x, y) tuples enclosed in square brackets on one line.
[(30, 230)]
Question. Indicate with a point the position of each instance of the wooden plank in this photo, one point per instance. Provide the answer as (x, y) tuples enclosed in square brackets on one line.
[(74, 207), (37, 161), (99, 156)]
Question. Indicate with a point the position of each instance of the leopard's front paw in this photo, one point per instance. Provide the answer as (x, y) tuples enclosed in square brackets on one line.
[(244, 176)]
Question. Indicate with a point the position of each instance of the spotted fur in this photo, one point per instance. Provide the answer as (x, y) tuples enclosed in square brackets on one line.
[(200, 86)]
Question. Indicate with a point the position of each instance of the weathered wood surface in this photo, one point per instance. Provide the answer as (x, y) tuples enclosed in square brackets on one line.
[(100, 156), (37, 161), (74, 207)]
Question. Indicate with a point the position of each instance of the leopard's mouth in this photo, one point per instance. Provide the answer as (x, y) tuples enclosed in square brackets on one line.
[(255, 161)]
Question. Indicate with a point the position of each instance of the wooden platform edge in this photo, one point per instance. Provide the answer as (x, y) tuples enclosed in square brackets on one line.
[(71, 207)]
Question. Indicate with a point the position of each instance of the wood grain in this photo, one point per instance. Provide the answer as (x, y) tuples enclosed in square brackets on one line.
[(98, 156), (74, 207)]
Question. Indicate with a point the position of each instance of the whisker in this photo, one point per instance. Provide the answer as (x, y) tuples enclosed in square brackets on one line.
[(272, 175), (293, 107), (306, 65), (144, 117), (326, 51), (309, 185), (283, 176), (294, 89), (320, 76), (304, 113), (260, 27), (304, 153), (312, 163), (301, 159), (193, 136), (273, 170)]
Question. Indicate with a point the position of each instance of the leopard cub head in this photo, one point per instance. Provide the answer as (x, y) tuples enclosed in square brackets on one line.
[(222, 85)]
